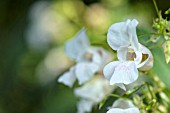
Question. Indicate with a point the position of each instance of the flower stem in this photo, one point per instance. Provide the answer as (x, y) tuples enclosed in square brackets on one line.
[(156, 8), (113, 95), (149, 89), (129, 93), (147, 34)]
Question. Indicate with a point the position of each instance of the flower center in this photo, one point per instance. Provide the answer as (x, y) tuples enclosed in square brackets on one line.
[(144, 57), (88, 56), (130, 54)]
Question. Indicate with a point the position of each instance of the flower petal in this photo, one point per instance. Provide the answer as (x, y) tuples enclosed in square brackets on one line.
[(84, 106), (118, 110), (91, 55), (148, 63), (68, 78), (123, 104), (94, 90), (77, 45), (109, 69), (85, 71), (132, 34), (138, 58), (102, 57), (122, 53), (125, 72), (118, 35)]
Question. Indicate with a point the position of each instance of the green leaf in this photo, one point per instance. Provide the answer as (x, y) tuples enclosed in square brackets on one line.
[(102, 103), (161, 68)]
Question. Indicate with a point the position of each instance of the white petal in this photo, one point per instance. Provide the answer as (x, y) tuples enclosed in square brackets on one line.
[(94, 90), (125, 72), (109, 69), (77, 45), (118, 35), (123, 104), (68, 78), (132, 34), (148, 63), (85, 71), (84, 106), (138, 58), (129, 110), (122, 52)]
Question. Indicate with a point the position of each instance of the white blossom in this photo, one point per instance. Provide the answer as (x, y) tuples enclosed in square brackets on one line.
[(91, 93), (131, 54), (89, 60), (123, 106)]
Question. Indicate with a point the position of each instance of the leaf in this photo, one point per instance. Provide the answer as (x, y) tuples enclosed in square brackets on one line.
[(161, 68), (102, 103)]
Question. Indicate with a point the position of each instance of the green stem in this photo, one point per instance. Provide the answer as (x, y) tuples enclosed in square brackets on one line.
[(113, 95), (156, 8), (129, 93), (158, 45), (147, 34), (104, 100), (149, 89)]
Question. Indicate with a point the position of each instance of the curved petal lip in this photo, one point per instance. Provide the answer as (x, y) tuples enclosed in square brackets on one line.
[(148, 63), (125, 72)]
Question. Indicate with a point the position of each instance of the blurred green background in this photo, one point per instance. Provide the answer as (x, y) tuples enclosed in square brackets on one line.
[(32, 37)]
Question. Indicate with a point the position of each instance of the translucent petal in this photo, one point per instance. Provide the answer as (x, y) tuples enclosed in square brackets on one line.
[(85, 71), (77, 45), (109, 69), (68, 78), (118, 35), (125, 72)]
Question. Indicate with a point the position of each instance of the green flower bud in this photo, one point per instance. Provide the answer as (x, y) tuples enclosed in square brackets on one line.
[(166, 47)]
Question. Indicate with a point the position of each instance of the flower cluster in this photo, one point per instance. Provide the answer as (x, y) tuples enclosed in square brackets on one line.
[(91, 61)]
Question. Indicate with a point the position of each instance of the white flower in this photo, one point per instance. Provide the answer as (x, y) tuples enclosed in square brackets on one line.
[(89, 60), (92, 93), (123, 106), (131, 54)]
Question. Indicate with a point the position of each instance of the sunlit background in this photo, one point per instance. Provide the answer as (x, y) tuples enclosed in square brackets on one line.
[(32, 38)]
